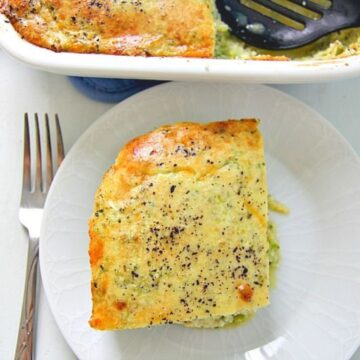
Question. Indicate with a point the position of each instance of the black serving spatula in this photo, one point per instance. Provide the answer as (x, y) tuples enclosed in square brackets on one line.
[(271, 25)]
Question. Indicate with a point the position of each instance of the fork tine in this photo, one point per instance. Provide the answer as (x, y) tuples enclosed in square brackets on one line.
[(60, 143), (27, 156), (49, 161), (38, 172)]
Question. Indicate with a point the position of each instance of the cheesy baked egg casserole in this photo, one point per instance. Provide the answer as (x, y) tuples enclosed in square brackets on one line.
[(179, 228), (185, 28)]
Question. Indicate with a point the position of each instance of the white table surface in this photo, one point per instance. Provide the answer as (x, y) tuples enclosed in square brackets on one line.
[(27, 90)]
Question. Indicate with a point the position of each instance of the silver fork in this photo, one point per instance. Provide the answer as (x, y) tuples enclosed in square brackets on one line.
[(31, 210)]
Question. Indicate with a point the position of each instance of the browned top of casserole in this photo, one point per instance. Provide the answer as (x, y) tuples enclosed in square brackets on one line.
[(125, 27)]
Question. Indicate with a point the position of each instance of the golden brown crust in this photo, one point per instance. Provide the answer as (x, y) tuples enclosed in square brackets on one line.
[(129, 27), (178, 231)]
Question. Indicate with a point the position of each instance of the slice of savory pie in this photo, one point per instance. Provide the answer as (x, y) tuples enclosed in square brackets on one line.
[(178, 233)]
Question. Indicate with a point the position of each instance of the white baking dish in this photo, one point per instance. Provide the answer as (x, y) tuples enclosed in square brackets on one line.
[(174, 68)]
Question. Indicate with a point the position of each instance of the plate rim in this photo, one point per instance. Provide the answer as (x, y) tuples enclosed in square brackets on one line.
[(102, 118)]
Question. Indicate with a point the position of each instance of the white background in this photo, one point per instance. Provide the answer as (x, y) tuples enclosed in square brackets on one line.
[(26, 90)]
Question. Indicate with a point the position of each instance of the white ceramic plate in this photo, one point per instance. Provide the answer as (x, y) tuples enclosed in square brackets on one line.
[(139, 67), (314, 311)]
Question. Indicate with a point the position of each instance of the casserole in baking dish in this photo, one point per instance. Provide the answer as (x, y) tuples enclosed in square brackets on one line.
[(124, 27), (185, 28)]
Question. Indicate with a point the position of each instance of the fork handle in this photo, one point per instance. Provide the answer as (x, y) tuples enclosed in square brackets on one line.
[(24, 347)]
